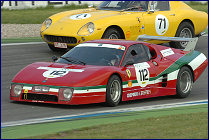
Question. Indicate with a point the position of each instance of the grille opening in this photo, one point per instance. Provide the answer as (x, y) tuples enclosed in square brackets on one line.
[(61, 39), (39, 97)]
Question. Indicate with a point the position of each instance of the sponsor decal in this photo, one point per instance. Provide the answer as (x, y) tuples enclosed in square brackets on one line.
[(128, 34), (80, 16), (129, 83), (25, 96), (57, 72), (142, 27), (140, 93), (142, 73), (128, 73), (167, 52), (161, 24), (26, 91)]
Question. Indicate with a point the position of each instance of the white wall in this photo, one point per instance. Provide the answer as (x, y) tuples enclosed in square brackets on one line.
[(34, 4)]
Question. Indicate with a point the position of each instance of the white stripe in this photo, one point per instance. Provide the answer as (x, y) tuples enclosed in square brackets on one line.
[(53, 90), (89, 90), (173, 75), (28, 88), (15, 44), (195, 63), (103, 45)]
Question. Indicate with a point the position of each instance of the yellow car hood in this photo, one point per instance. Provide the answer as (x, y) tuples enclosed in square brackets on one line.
[(74, 20)]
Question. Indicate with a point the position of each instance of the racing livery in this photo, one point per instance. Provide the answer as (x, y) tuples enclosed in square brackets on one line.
[(109, 71), (123, 20)]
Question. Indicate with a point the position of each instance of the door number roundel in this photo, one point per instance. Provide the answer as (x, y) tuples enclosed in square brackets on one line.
[(161, 24)]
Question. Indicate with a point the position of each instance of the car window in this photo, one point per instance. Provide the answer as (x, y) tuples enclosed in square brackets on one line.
[(124, 5), (136, 54), (89, 55), (161, 5)]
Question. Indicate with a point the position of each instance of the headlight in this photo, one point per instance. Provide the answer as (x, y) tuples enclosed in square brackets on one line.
[(16, 90), (47, 23), (65, 94), (87, 29)]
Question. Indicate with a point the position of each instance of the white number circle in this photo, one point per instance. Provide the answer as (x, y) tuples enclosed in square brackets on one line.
[(80, 16), (161, 24), (54, 73)]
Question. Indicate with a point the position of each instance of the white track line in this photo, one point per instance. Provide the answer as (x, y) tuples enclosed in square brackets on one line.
[(15, 44), (99, 113)]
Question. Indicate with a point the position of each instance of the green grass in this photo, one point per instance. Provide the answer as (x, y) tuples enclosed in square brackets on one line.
[(83, 124), (21, 40), (38, 15), (182, 126), (34, 16)]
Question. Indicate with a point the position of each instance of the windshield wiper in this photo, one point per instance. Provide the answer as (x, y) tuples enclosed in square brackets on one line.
[(70, 59)]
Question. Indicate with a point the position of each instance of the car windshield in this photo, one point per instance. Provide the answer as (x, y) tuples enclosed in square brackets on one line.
[(94, 55), (124, 5)]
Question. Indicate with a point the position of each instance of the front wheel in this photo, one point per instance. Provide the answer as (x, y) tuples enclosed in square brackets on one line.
[(113, 91), (184, 82)]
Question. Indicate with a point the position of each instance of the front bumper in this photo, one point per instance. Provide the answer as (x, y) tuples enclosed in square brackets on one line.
[(71, 41), (27, 95)]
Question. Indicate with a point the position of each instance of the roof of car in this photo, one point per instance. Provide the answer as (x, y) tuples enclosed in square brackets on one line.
[(125, 43)]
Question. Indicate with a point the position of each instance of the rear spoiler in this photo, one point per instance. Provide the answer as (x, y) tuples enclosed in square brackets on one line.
[(189, 47)]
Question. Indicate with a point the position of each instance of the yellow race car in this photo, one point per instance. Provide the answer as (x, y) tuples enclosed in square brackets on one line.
[(124, 20)]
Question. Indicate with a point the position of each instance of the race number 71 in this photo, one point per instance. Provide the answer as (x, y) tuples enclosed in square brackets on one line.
[(164, 22)]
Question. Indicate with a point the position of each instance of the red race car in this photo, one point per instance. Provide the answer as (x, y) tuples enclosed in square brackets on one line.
[(109, 71)]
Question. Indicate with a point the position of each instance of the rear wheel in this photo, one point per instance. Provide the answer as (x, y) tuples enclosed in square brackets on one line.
[(112, 33), (184, 82), (185, 30), (54, 49), (113, 91)]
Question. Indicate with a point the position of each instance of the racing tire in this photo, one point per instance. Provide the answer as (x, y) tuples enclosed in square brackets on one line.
[(186, 30), (184, 82), (112, 33), (54, 49), (113, 91)]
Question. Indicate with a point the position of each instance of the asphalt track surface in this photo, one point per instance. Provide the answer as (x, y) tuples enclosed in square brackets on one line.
[(16, 57)]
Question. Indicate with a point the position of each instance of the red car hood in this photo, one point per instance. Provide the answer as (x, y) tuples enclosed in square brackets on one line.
[(46, 73)]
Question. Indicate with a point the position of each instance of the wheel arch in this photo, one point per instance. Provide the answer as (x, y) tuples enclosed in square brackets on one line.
[(117, 28), (189, 21), (117, 74)]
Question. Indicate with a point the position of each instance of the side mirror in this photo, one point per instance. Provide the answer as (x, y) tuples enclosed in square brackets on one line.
[(54, 58), (129, 63), (151, 7), (151, 11)]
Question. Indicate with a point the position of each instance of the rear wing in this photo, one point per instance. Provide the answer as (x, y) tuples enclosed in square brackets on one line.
[(189, 47)]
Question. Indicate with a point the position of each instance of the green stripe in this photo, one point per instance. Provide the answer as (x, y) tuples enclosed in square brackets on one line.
[(186, 59), (58, 87)]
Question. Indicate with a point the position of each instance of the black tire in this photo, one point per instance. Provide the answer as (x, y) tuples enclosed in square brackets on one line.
[(184, 82), (113, 97), (54, 49), (185, 29), (112, 33)]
